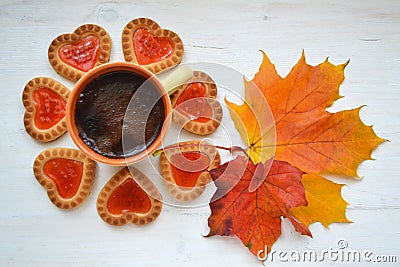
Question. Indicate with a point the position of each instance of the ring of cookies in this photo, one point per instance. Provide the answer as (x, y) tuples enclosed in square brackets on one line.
[(129, 196)]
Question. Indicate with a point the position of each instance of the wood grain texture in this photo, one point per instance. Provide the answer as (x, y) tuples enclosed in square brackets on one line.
[(34, 233)]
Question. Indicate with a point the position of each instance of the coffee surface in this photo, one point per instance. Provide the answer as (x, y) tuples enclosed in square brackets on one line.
[(119, 114)]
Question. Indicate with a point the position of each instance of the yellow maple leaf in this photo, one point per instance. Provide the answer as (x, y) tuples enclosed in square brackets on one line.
[(325, 203)]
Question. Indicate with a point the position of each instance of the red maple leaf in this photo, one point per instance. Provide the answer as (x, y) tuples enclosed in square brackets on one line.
[(255, 217)]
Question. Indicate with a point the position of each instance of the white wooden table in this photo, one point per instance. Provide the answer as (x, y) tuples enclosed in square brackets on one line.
[(35, 233)]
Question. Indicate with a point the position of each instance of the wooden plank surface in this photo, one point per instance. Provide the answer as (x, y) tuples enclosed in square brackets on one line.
[(34, 233)]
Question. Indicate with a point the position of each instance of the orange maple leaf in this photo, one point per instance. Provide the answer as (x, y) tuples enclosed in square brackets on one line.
[(302, 132), (255, 217)]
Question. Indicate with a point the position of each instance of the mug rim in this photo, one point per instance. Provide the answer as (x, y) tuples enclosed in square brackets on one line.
[(81, 85)]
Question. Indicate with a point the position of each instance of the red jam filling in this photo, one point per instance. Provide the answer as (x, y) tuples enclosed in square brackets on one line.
[(149, 48), (128, 197), (66, 174), (193, 104), (187, 166), (50, 108), (82, 54)]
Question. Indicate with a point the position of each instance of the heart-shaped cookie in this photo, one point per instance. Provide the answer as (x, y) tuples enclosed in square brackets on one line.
[(184, 168), (196, 108), (145, 43), (67, 175), (72, 55), (129, 197), (45, 106)]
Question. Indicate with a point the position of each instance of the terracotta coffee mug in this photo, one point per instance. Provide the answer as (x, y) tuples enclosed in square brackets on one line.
[(178, 77)]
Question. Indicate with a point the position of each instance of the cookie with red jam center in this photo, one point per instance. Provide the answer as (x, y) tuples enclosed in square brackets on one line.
[(145, 43), (129, 197), (45, 107), (184, 168), (66, 174), (196, 108), (73, 54)]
